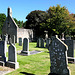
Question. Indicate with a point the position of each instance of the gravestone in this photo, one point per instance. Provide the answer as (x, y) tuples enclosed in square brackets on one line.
[(3, 48), (38, 42), (20, 41), (25, 46), (42, 43), (70, 44), (12, 57), (58, 57), (62, 37), (48, 42), (13, 39)]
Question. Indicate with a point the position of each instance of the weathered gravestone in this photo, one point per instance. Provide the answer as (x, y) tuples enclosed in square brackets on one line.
[(70, 52), (58, 56), (20, 41), (48, 40), (40, 43), (12, 57), (70, 44), (3, 53), (25, 47)]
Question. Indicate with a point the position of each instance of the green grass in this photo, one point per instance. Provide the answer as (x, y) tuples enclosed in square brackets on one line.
[(38, 64)]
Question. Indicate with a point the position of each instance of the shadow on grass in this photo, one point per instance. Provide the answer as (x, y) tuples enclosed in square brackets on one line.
[(25, 73), (53, 74)]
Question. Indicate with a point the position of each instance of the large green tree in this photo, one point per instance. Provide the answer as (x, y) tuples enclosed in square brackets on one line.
[(2, 19), (19, 23), (34, 19), (59, 21)]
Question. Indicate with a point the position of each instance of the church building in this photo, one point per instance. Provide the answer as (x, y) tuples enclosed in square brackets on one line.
[(11, 29)]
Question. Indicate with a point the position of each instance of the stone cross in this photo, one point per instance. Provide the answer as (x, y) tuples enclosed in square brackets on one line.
[(25, 46), (58, 57)]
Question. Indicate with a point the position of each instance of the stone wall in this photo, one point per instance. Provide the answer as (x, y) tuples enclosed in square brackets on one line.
[(10, 28), (24, 33)]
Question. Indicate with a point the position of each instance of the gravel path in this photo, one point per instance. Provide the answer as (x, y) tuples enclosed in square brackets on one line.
[(5, 70)]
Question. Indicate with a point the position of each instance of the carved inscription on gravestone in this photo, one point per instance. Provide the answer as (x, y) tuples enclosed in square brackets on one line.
[(58, 57)]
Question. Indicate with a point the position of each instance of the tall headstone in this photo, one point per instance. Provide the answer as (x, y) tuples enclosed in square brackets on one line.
[(12, 57), (70, 44), (25, 46), (20, 41), (48, 42), (58, 57), (3, 52)]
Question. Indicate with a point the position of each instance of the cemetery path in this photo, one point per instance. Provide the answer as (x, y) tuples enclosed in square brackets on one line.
[(5, 70)]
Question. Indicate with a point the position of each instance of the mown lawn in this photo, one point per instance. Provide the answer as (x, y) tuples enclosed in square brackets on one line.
[(37, 64)]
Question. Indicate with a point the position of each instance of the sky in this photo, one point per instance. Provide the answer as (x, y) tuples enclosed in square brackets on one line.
[(21, 8)]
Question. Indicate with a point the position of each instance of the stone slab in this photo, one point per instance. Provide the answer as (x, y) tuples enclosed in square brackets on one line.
[(25, 52), (2, 63), (14, 65), (71, 60), (31, 52)]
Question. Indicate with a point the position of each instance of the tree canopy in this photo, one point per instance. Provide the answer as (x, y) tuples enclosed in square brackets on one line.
[(59, 20), (2, 19), (34, 19)]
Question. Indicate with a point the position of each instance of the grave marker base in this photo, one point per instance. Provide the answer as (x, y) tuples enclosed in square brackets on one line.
[(25, 53), (2, 63), (14, 65), (71, 60)]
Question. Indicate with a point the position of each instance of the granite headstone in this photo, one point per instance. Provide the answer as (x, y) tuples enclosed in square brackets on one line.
[(12, 57), (25, 46), (58, 57)]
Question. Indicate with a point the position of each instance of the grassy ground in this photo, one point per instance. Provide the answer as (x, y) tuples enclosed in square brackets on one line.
[(38, 64)]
